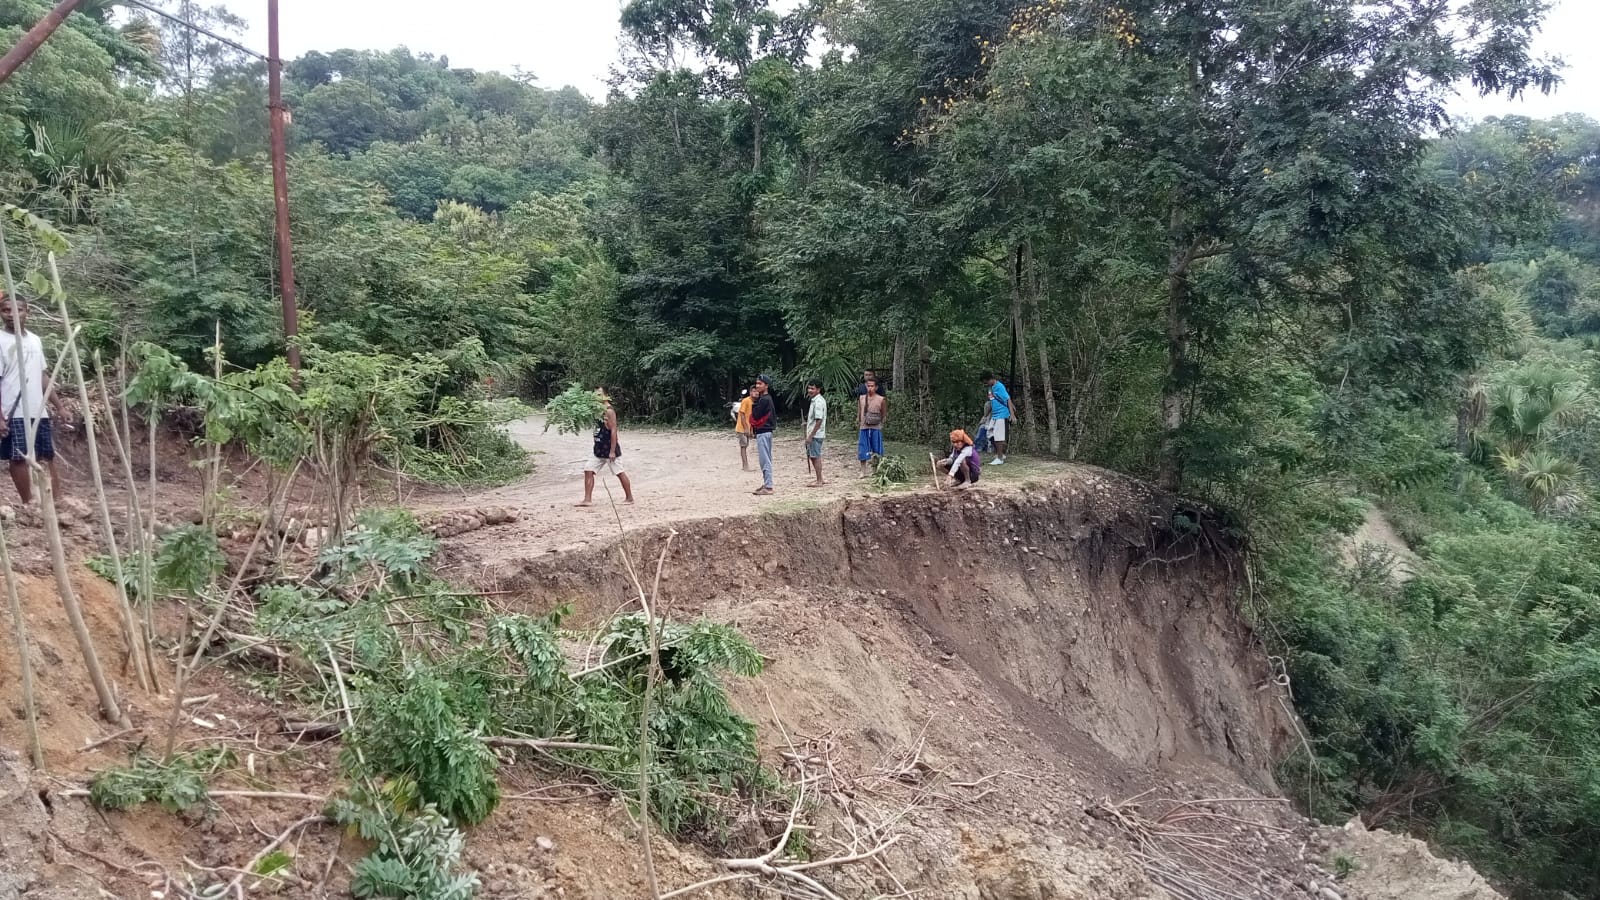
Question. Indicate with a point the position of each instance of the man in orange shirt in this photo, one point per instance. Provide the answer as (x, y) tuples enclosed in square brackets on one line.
[(741, 427)]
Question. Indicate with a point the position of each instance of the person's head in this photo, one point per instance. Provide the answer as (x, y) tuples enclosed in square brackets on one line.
[(763, 385), (813, 387), (872, 385), (13, 323), (603, 395), (988, 378), (868, 374), (959, 439)]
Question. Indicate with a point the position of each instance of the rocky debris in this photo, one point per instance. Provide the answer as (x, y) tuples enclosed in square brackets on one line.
[(460, 521), (1012, 865), (1383, 865)]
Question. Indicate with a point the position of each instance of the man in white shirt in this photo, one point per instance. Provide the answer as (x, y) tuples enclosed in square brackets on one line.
[(816, 428), (24, 384)]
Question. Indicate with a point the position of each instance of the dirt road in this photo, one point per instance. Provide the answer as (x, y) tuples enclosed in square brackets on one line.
[(676, 474)]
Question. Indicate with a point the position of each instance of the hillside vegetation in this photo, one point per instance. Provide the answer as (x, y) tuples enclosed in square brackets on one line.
[(1236, 247)]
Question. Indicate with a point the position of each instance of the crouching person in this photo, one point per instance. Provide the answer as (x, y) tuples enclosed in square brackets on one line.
[(963, 465)]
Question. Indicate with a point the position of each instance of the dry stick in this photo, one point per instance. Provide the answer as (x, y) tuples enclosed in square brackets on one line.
[(142, 664), (58, 561), (652, 675), (122, 435), (238, 795), (20, 628), (236, 886), (187, 665), (216, 448)]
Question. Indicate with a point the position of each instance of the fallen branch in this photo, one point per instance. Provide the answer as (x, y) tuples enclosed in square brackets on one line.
[(548, 744), (107, 739), (228, 794), (236, 886)]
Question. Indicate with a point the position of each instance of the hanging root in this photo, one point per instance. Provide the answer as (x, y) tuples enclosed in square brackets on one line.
[(1189, 848)]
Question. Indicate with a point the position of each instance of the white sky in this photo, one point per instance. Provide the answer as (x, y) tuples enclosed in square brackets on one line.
[(575, 41)]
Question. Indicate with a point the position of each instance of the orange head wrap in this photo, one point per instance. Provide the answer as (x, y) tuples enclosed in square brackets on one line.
[(960, 437)]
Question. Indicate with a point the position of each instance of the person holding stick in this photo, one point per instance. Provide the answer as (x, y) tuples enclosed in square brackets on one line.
[(964, 462)]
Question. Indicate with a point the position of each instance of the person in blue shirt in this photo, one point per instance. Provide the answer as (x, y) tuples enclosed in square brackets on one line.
[(1000, 416)]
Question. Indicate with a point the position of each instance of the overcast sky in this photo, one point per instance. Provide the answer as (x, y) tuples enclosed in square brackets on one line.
[(575, 41)]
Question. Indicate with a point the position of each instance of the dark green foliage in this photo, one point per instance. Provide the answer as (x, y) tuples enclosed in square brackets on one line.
[(188, 560), (178, 785), (428, 694), (574, 410), (415, 853)]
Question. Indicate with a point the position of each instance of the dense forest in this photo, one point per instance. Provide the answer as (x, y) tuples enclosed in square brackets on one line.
[(1234, 246)]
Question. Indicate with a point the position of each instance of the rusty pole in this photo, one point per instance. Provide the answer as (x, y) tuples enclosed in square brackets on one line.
[(36, 35), (280, 186)]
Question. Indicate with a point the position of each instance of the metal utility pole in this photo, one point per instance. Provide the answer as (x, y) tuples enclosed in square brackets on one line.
[(280, 186), (36, 35)]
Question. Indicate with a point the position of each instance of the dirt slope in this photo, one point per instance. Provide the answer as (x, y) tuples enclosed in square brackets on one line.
[(1026, 680)]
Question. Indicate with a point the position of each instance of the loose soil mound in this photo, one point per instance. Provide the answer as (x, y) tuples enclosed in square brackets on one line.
[(1029, 682)]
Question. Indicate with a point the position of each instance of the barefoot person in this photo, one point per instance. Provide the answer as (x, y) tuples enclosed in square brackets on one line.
[(816, 428), (964, 463), (607, 456), (741, 427), (872, 412), (763, 418), (23, 386)]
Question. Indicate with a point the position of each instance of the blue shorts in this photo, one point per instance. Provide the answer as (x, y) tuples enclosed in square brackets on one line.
[(15, 444), (869, 444), (814, 448)]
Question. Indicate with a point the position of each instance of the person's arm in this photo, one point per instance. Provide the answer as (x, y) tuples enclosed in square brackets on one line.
[(861, 412), (883, 418), (956, 460), (611, 423)]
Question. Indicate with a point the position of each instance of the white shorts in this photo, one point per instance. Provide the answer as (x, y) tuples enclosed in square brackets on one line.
[(614, 466), (997, 429)]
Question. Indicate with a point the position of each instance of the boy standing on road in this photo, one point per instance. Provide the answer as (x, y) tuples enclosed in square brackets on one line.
[(23, 386), (763, 418), (872, 412), (1000, 416), (741, 427), (816, 428), (607, 455)]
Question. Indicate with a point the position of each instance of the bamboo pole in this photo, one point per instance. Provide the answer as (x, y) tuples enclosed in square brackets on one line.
[(122, 440), (58, 558), (138, 649)]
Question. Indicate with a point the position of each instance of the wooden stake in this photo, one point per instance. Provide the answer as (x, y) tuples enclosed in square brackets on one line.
[(137, 648)]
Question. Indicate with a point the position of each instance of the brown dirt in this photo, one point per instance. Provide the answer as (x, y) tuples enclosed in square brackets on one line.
[(677, 476), (1054, 644)]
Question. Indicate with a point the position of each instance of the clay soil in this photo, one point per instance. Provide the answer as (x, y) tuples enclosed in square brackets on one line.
[(1014, 675)]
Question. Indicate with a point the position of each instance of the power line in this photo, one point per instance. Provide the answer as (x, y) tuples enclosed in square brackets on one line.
[(193, 27)]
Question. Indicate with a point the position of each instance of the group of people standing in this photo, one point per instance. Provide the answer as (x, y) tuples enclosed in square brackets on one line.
[(755, 417)]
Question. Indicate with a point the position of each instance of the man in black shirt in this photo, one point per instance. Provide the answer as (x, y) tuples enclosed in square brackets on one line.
[(871, 375), (763, 417)]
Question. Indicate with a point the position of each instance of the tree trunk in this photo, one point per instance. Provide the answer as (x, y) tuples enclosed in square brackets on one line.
[(924, 387), (1019, 335), (1035, 295), (1172, 412), (897, 366)]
